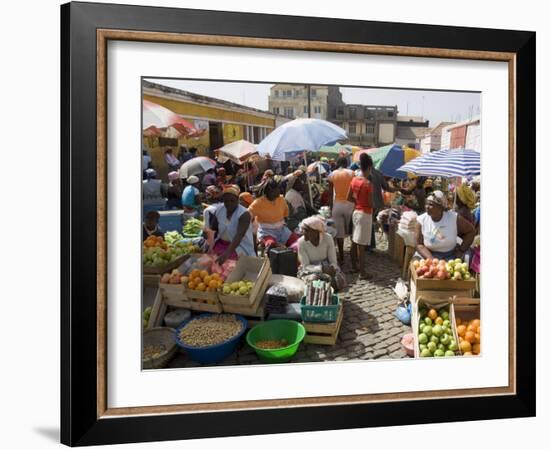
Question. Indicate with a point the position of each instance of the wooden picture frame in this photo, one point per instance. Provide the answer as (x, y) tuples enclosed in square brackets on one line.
[(86, 29)]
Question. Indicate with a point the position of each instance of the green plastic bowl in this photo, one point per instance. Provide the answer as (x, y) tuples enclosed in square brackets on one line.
[(292, 331)]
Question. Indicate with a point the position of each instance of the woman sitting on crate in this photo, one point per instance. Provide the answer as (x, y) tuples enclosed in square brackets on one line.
[(271, 210), (317, 254), (438, 228), (231, 223)]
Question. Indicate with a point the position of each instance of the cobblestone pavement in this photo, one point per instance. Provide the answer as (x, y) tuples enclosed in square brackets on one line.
[(369, 328)]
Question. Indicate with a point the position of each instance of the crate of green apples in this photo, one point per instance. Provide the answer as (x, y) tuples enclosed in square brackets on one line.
[(434, 330)]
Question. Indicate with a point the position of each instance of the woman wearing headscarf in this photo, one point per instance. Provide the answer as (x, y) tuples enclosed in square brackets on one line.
[(174, 191), (190, 198), (271, 210), (317, 253), (297, 209), (231, 221), (465, 202), (438, 228)]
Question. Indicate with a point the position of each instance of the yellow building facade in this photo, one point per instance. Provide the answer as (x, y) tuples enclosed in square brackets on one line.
[(223, 122)]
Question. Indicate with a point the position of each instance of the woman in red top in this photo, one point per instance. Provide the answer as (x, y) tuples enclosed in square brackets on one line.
[(360, 193)]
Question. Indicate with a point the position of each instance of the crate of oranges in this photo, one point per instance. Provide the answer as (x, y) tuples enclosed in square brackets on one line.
[(468, 325), (201, 288)]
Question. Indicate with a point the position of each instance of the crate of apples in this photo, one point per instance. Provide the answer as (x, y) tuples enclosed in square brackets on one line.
[(442, 270)]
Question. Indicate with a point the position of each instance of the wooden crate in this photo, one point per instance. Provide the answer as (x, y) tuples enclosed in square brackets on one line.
[(398, 249), (324, 333), (255, 310), (435, 288), (203, 301), (255, 269), (466, 309), (151, 280), (435, 303)]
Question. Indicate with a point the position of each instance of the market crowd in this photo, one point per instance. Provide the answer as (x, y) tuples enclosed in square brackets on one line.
[(259, 206)]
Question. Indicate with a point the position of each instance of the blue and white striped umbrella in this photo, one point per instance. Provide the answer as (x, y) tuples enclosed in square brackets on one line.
[(446, 163), (300, 135)]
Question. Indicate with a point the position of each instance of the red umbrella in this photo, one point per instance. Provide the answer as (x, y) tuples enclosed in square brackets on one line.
[(156, 117)]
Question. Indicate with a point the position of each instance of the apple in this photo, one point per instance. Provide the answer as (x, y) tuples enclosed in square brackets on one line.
[(419, 272), (428, 275), (429, 261), (426, 353), (453, 346), (467, 276), (422, 347), (449, 353), (464, 267), (441, 275), (431, 346), (428, 322), (422, 339), (457, 276), (448, 275), (445, 339), (435, 260), (458, 260), (441, 346), (444, 314), (439, 353), (437, 330), (434, 339), (416, 264)]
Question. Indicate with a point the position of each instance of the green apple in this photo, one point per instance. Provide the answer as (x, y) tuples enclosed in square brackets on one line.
[(446, 322), (439, 353), (445, 339), (421, 326), (437, 330), (426, 353), (453, 346), (428, 321), (431, 346), (422, 339), (422, 347), (427, 330), (445, 315), (434, 339), (449, 353)]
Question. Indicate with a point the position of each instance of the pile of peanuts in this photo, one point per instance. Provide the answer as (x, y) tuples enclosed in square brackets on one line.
[(153, 351), (271, 344), (211, 330)]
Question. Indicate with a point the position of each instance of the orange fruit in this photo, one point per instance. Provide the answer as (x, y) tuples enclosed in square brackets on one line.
[(191, 285), (461, 330), (203, 274), (195, 273), (470, 337), (477, 337), (201, 287), (207, 279), (212, 284), (465, 346), (432, 313), (439, 320), (470, 328), (458, 321), (475, 323), (476, 348)]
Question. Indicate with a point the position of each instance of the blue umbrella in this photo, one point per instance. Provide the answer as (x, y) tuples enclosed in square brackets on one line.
[(300, 135), (447, 163)]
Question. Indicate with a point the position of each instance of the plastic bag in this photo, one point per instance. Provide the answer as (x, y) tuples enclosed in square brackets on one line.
[(403, 314)]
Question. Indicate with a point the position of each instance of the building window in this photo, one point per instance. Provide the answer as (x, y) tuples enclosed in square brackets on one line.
[(317, 109), (305, 109), (276, 93), (352, 127), (276, 110), (390, 113), (369, 131), (352, 113), (340, 111), (289, 112), (313, 92), (297, 92), (289, 93)]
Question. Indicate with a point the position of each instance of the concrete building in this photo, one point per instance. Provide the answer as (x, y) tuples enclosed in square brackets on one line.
[(224, 121), (367, 125), (431, 140), (291, 100), (466, 134), (410, 130)]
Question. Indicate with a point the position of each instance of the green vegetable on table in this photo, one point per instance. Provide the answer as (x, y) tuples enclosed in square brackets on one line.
[(193, 226)]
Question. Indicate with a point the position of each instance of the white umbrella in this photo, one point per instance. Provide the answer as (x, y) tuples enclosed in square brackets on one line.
[(237, 152), (195, 166)]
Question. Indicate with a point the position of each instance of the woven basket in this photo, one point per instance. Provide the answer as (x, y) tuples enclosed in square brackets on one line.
[(157, 336)]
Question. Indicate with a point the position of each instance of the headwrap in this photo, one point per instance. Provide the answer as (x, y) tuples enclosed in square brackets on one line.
[(150, 173), (247, 198), (439, 198), (192, 179), (315, 222), (213, 192), (221, 171), (232, 189), (467, 196), (173, 175), (268, 174)]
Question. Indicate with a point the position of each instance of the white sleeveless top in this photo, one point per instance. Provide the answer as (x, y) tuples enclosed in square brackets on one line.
[(439, 235)]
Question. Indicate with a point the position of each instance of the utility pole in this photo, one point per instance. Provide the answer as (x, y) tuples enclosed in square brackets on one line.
[(309, 101)]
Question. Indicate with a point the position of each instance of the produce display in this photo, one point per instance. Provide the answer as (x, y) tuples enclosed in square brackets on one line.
[(158, 253), (175, 277), (203, 281), (145, 316), (193, 226), (271, 344), (172, 237), (210, 330), (435, 334), (240, 288), (440, 269), (153, 351), (469, 336)]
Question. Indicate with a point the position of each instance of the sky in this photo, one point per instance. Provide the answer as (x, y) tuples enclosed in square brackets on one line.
[(434, 106)]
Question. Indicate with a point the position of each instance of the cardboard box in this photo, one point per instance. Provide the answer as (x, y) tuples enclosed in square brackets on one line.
[(248, 268), (466, 309)]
